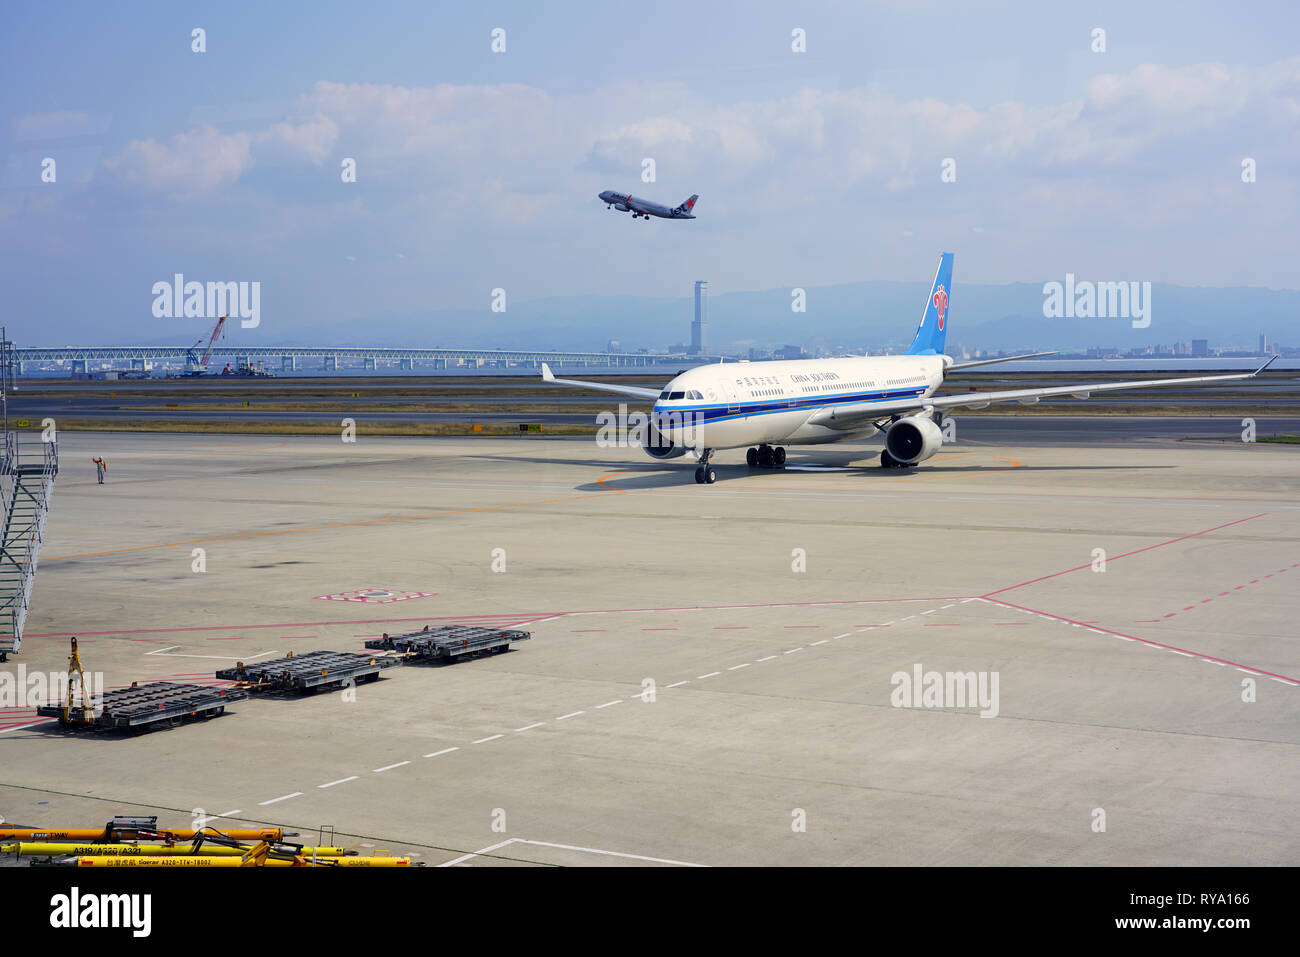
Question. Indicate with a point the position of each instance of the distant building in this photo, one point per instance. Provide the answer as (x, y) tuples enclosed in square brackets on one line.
[(1263, 343), (612, 346), (699, 338), (1201, 348), (790, 352)]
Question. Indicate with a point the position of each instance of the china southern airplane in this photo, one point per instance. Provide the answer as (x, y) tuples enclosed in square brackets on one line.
[(627, 203), (768, 405)]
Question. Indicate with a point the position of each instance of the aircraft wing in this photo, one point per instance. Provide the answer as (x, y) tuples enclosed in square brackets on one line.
[(650, 394), (977, 400), (853, 416), (989, 362)]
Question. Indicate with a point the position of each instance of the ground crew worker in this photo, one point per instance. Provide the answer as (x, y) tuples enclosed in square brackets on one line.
[(100, 467)]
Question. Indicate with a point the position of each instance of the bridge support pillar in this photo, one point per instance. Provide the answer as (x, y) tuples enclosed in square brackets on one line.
[(368, 362), (80, 365), (440, 363), (406, 364), (331, 363), (139, 364), (288, 363)]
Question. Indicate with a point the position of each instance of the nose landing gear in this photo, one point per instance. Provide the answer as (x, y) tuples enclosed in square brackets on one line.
[(704, 474)]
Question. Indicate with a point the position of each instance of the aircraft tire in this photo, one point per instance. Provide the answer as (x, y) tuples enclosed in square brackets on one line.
[(751, 458), (710, 476)]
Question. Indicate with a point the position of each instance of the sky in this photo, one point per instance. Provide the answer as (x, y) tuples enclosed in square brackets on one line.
[(478, 170)]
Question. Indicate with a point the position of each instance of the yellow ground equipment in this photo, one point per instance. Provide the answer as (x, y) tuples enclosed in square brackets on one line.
[(205, 861), (135, 828), (55, 849)]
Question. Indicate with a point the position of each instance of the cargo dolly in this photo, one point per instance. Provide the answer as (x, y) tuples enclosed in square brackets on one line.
[(449, 643), (311, 671), (146, 706)]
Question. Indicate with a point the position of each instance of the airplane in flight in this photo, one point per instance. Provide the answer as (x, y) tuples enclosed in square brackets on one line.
[(766, 406), (627, 203)]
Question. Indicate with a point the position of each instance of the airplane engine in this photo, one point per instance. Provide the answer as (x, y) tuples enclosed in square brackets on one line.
[(657, 447), (913, 439), (621, 207)]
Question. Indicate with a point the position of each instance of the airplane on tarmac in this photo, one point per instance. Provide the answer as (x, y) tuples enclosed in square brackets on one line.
[(767, 405), (627, 203)]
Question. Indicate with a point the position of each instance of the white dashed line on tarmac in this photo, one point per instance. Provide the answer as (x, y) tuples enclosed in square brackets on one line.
[(571, 714), (489, 738), (443, 751), (608, 704), (339, 781), (282, 797), (389, 767), (529, 727)]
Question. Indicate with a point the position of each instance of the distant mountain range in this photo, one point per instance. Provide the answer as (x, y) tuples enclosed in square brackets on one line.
[(872, 316)]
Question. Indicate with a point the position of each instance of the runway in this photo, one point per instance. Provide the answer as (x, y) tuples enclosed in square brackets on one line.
[(714, 673)]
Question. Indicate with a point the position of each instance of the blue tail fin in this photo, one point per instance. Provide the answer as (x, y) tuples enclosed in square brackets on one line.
[(933, 330)]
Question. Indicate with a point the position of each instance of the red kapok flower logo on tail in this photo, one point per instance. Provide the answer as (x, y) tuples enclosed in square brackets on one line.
[(941, 304)]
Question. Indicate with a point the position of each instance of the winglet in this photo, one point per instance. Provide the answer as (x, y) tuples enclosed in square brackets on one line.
[(1271, 360), (547, 375)]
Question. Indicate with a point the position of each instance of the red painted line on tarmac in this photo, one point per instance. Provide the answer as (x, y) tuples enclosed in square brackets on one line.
[(30, 724), (658, 629), (1222, 594), (803, 626), (1139, 551), (1148, 641)]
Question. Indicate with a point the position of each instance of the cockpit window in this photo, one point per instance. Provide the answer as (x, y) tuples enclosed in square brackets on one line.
[(664, 394), (676, 395)]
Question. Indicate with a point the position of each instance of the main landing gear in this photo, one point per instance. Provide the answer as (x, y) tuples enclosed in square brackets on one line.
[(887, 461), (765, 457), (704, 474)]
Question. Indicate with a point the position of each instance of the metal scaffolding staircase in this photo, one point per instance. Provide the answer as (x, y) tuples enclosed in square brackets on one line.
[(27, 485)]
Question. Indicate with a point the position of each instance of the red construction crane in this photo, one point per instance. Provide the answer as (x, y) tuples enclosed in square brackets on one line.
[(216, 331)]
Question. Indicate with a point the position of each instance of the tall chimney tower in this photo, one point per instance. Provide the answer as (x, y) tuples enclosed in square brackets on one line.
[(698, 332)]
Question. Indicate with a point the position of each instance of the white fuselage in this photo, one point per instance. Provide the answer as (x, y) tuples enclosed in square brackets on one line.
[(738, 404)]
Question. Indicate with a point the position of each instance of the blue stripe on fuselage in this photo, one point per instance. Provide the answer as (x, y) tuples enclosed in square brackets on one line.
[(724, 411)]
